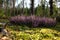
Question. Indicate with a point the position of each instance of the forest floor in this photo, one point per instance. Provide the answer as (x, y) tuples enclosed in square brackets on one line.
[(40, 33)]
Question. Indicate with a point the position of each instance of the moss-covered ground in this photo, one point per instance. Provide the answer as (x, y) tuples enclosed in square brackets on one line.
[(17, 32)]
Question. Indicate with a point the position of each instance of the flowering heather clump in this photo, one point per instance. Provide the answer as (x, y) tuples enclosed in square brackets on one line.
[(33, 20)]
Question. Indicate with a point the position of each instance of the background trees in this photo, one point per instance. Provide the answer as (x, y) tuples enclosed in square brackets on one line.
[(42, 9)]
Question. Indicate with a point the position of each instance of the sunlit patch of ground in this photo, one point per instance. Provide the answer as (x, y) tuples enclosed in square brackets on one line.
[(42, 33), (26, 33)]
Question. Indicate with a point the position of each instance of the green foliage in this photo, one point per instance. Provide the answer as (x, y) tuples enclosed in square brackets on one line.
[(0, 1), (35, 36), (26, 33), (2, 15), (38, 11)]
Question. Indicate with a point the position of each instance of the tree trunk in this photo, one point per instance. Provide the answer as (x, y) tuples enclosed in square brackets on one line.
[(5, 7), (0, 3), (23, 8), (14, 7), (32, 7), (51, 7)]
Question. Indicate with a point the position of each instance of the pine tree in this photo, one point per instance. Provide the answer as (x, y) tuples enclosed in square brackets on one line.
[(32, 7), (51, 7)]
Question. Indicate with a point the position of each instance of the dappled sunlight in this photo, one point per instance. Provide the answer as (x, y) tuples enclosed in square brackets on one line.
[(26, 33), (36, 34)]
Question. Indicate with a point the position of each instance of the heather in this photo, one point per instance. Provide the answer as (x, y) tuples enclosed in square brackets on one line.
[(33, 20)]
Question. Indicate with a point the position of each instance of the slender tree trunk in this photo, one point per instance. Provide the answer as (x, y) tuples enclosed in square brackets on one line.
[(5, 7), (14, 6), (43, 9), (11, 5), (32, 7), (0, 4), (51, 7), (23, 8)]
